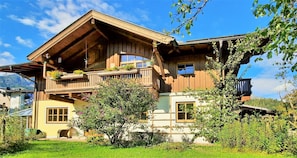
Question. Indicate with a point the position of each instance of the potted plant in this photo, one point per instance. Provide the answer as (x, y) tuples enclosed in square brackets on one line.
[(128, 67), (76, 74), (55, 74)]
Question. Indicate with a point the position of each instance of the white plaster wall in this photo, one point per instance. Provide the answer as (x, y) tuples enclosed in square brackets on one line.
[(164, 120)]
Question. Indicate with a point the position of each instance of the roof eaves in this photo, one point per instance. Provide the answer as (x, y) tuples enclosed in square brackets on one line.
[(215, 39)]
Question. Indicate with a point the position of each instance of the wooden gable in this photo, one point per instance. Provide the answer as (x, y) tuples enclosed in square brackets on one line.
[(95, 33)]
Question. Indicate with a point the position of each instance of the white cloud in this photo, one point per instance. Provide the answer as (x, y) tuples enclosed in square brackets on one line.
[(270, 88), (6, 58), (4, 44), (25, 21), (25, 42), (264, 81), (58, 14)]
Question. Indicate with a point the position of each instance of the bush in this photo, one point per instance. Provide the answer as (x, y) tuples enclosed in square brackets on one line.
[(290, 144), (98, 140), (147, 138), (13, 147), (34, 134), (269, 134)]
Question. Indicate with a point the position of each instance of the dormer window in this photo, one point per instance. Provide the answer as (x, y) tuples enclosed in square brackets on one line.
[(185, 69)]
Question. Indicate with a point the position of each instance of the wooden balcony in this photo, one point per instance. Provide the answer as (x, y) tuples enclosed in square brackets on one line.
[(147, 76)]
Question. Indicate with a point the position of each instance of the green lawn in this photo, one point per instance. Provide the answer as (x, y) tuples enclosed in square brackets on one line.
[(58, 149)]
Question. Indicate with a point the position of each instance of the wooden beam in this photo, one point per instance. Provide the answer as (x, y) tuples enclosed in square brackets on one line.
[(159, 59), (60, 98), (79, 52), (133, 38), (93, 22), (74, 43)]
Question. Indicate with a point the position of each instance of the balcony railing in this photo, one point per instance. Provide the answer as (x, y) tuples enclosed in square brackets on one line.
[(244, 87), (146, 76)]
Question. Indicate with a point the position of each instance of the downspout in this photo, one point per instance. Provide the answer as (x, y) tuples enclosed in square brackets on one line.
[(44, 70)]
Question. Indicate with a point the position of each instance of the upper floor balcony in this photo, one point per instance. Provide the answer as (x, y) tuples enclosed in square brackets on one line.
[(244, 87), (148, 77), (88, 81)]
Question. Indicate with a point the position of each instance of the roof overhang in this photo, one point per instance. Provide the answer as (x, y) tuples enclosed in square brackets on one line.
[(28, 69), (215, 39), (252, 109)]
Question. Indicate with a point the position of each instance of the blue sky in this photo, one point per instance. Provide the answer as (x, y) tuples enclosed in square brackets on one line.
[(27, 24)]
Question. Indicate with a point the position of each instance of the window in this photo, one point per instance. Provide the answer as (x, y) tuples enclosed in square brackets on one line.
[(137, 61), (185, 69), (143, 117), (56, 115), (184, 112)]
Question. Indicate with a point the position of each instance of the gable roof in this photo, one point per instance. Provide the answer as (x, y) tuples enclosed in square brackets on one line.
[(102, 18)]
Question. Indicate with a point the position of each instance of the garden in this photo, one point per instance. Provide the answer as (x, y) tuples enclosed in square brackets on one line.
[(64, 148)]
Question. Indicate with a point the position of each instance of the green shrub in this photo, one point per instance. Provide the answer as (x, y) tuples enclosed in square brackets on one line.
[(34, 134), (146, 138), (270, 135), (290, 144), (12, 133), (128, 67), (98, 140), (13, 147)]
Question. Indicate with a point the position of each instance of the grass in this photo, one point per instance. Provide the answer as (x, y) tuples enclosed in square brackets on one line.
[(60, 149)]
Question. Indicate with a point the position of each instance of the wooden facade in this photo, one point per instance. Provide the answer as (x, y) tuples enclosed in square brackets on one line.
[(97, 42)]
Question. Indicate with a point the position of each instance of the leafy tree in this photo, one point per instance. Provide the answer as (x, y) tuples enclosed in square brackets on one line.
[(281, 30), (222, 99), (290, 108), (115, 108), (186, 13), (278, 38)]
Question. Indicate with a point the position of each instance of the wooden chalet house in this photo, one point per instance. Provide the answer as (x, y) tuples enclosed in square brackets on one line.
[(96, 42)]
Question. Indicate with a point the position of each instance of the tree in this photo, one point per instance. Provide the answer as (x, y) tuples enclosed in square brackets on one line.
[(281, 31), (115, 108), (222, 99), (186, 13)]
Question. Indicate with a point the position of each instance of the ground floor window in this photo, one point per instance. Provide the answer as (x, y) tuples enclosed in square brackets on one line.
[(56, 115), (184, 112), (143, 117)]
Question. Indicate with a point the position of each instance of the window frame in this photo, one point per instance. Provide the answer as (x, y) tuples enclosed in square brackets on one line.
[(134, 62), (177, 112), (142, 120), (57, 115), (184, 72)]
